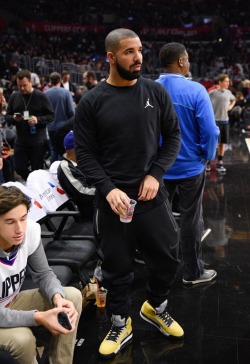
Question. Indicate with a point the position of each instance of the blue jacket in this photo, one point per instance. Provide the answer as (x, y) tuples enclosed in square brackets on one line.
[(199, 133)]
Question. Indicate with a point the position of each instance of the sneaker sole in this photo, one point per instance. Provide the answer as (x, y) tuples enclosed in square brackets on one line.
[(205, 234), (139, 261), (127, 341), (159, 327), (207, 280)]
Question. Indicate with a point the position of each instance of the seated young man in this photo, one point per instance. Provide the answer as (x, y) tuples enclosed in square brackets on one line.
[(21, 246)]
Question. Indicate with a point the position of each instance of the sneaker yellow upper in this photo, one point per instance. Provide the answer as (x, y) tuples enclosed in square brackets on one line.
[(163, 321), (116, 338)]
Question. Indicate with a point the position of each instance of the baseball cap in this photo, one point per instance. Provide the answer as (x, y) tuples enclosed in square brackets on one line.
[(69, 140)]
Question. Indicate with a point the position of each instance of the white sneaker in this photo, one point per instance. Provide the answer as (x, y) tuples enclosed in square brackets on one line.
[(220, 168), (207, 276)]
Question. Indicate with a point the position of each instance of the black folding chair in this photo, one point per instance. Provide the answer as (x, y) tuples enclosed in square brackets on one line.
[(71, 244)]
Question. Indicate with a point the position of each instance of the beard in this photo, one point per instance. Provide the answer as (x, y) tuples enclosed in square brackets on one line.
[(127, 75)]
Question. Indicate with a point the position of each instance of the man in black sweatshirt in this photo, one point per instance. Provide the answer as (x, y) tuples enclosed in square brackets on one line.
[(30, 111), (117, 132)]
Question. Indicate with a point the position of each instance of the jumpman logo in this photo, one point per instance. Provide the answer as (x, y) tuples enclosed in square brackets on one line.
[(148, 104)]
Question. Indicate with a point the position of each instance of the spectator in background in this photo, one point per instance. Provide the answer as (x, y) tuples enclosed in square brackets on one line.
[(244, 87), (35, 80), (7, 138), (64, 109), (222, 101), (3, 102), (199, 137), (67, 84), (74, 182), (236, 114), (44, 83), (89, 79), (12, 72), (30, 111)]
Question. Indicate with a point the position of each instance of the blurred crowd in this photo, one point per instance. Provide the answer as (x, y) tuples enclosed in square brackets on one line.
[(136, 13), (217, 51)]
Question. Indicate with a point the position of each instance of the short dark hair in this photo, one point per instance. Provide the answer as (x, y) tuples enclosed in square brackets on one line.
[(113, 39), (65, 72), (170, 53), (222, 76), (11, 197), (22, 74), (91, 74), (55, 78)]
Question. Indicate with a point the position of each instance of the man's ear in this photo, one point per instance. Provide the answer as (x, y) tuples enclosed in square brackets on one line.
[(180, 62), (111, 57)]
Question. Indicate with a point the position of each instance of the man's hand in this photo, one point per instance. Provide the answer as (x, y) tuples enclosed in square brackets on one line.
[(32, 120), (49, 320), (148, 188), (18, 117), (118, 201), (61, 302)]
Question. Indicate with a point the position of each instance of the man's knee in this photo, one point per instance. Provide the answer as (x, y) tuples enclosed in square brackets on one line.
[(23, 345), (74, 295)]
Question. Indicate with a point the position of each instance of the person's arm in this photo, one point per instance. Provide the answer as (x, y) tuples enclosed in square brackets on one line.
[(15, 318), (13, 107), (232, 103), (76, 178), (70, 109), (171, 139), (51, 288), (85, 147), (43, 275), (167, 152), (47, 114), (209, 132)]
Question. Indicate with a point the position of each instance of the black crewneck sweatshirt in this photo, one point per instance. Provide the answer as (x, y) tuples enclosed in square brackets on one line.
[(117, 136)]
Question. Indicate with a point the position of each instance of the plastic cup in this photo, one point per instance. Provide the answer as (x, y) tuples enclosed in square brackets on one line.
[(101, 296), (130, 211)]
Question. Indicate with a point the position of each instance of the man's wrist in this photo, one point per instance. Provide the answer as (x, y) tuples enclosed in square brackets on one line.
[(56, 297), (38, 317)]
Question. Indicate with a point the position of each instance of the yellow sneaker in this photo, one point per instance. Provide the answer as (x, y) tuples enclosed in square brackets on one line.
[(160, 318), (119, 336)]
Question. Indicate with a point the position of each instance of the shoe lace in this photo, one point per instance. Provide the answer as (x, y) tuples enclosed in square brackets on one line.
[(114, 333), (166, 318)]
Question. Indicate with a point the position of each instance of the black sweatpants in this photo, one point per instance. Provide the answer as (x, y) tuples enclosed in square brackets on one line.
[(156, 234), (190, 191), (28, 155)]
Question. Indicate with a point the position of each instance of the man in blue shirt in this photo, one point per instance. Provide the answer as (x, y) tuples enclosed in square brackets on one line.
[(199, 138), (63, 105)]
